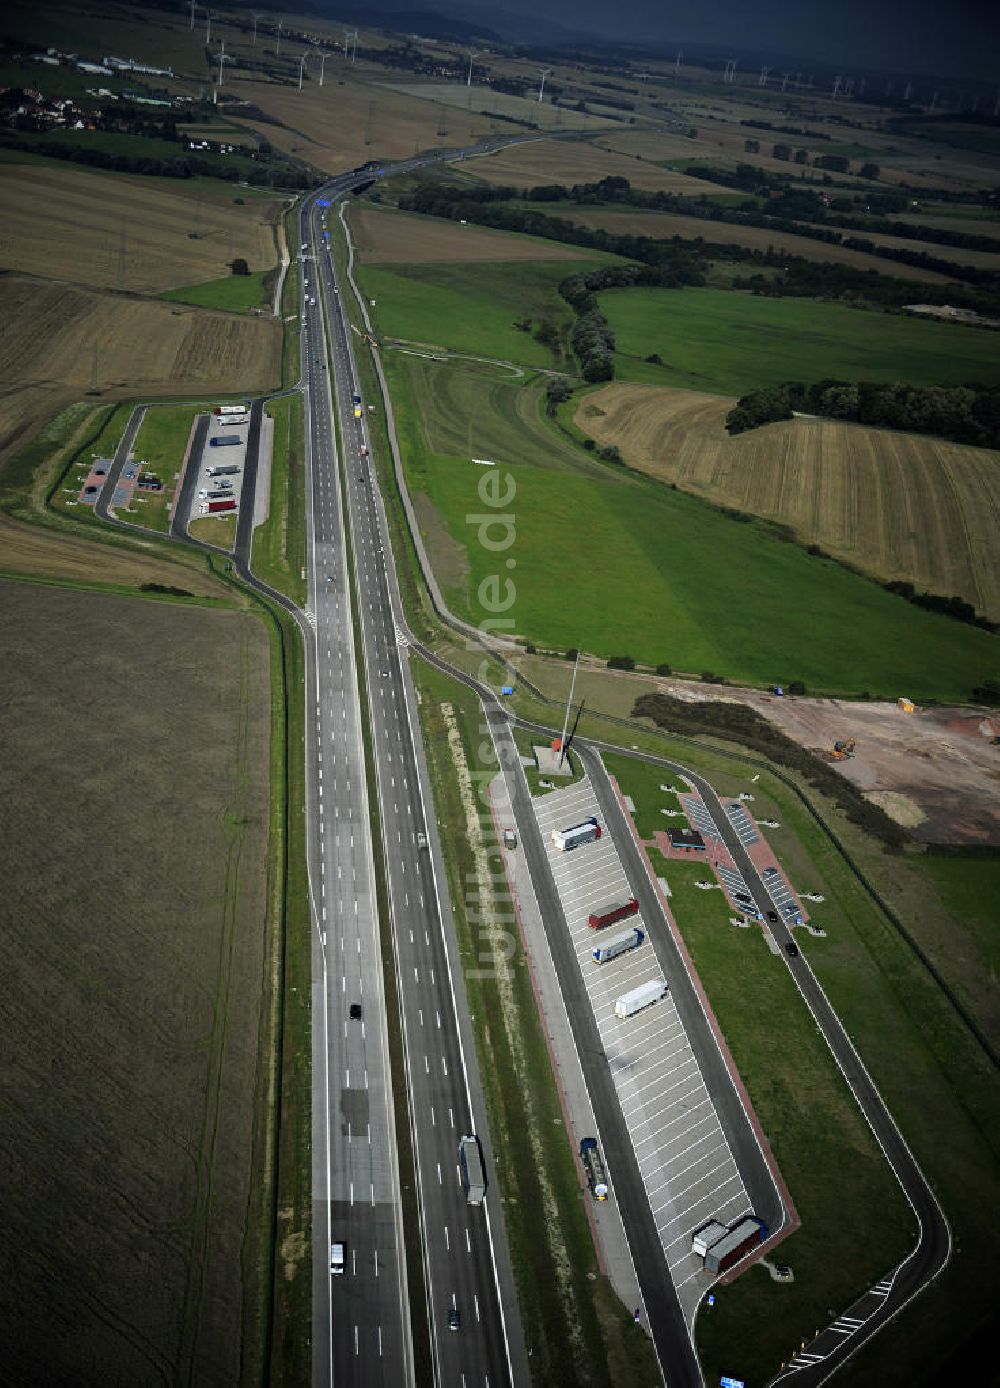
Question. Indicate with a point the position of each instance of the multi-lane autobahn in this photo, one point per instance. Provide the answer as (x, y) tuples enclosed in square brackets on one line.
[(361, 1319)]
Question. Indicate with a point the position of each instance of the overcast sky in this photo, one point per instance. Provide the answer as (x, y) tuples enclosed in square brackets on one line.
[(952, 37)]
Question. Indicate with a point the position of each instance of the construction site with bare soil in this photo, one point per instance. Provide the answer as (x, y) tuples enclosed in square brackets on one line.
[(935, 771)]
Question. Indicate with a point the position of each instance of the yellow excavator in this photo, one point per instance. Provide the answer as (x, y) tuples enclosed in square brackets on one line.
[(842, 750)]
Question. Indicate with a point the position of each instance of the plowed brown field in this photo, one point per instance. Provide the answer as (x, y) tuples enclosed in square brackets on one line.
[(395, 237), (897, 506), (551, 161), (72, 224), (135, 934), (338, 127), (55, 342)]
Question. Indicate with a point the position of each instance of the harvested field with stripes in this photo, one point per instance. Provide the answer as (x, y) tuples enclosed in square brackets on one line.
[(57, 343), (127, 232), (896, 506), (545, 161)]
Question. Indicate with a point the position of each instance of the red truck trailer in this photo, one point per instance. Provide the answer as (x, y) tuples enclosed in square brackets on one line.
[(226, 504), (612, 912)]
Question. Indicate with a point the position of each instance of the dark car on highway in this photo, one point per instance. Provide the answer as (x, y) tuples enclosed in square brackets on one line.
[(355, 1011), (773, 917), (454, 1319), (792, 949)]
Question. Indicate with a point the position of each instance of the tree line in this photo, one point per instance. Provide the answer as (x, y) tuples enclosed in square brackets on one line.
[(681, 258), (177, 166), (965, 414)]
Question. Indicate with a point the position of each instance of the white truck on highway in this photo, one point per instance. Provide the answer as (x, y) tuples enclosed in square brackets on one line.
[(644, 996), (470, 1162)]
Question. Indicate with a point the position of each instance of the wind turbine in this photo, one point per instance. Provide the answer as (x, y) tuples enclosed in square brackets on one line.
[(208, 30), (763, 76), (302, 67), (256, 16), (836, 86), (277, 46), (677, 62), (191, 26), (322, 65), (222, 58), (541, 89), (472, 57), (784, 80)]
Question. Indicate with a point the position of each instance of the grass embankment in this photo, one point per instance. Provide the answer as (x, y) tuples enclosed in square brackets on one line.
[(472, 308), (279, 545), (291, 1263), (575, 1327), (291, 341), (214, 530), (237, 293), (619, 565), (641, 783), (729, 343)]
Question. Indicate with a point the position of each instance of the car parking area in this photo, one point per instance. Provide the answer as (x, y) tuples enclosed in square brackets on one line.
[(699, 817), (741, 822), (735, 887), (94, 481), (218, 492), (687, 1168), (780, 892)]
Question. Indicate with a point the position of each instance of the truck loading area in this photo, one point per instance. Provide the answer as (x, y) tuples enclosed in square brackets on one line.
[(687, 1167)]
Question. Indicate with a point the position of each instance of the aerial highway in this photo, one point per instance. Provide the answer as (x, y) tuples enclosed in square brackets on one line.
[(358, 685), (933, 1246), (465, 1258)]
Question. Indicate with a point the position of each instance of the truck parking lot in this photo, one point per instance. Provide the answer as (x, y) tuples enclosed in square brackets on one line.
[(219, 483), (685, 1161)]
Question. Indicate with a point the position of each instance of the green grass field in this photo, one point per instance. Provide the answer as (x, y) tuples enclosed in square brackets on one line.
[(642, 784), (729, 343), (238, 293), (616, 565), (161, 442), (474, 410), (472, 308), (279, 550)]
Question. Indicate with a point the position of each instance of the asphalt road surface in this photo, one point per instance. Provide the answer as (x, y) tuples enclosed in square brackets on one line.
[(465, 1256)]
